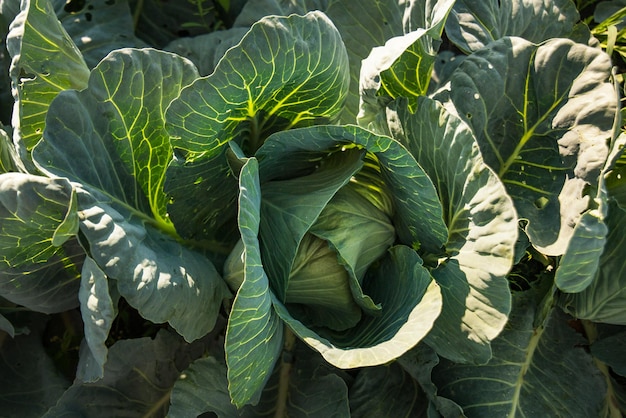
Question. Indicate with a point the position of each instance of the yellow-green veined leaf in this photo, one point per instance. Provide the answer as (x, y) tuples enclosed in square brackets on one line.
[(45, 62)]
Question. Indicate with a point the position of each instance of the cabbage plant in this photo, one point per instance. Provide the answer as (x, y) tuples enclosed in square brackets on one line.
[(314, 208)]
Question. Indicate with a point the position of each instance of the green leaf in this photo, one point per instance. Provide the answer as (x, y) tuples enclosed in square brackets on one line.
[(45, 61), (115, 128), (119, 118), (200, 388), (285, 72), (164, 280), (472, 25), (539, 370), (40, 262), (138, 377), (610, 350), (604, 299), (386, 392), (290, 207), (98, 309), (419, 363), (98, 27), (363, 25), (403, 66), (482, 226), (9, 160), (579, 265), (254, 335), (418, 213), (411, 302), (29, 381), (543, 115)]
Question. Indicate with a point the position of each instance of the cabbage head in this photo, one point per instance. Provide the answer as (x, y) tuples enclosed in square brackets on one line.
[(362, 246)]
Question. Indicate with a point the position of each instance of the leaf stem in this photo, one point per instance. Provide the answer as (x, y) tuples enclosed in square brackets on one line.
[(285, 370)]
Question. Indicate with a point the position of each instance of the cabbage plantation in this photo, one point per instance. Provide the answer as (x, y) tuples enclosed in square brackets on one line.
[(312, 208)]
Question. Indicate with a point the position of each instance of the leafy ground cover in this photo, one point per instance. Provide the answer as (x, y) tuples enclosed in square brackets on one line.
[(323, 208)]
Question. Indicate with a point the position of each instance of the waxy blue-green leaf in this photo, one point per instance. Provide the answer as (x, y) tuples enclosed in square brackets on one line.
[(363, 25), (418, 213), (411, 302), (115, 129), (163, 279), (474, 24), (579, 265), (285, 72), (536, 370), (45, 61), (98, 308), (40, 261), (254, 335), (604, 300), (543, 115), (402, 67), (482, 225)]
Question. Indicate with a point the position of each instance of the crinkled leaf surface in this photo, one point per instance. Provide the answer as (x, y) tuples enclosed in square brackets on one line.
[(579, 265), (285, 72), (40, 263), (411, 302), (98, 308), (474, 24), (604, 299), (539, 370), (403, 66), (45, 61), (482, 226), (115, 129), (29, 381), (543, 116), (254, 336)]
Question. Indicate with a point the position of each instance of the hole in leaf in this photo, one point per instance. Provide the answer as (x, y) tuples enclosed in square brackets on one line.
[(541, 202), (469, 115), (74, 6), (88, 17)]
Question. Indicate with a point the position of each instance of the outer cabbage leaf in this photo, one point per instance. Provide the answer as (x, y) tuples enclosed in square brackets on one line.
[(45, 62), (482, 226), (472, 24), (402, 67), (363, 25), (604, 299), (98, 307), (543, 115), (539, 368), (579, 265), (40, 263), (285, 72), (254, 335), (115, 129)]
